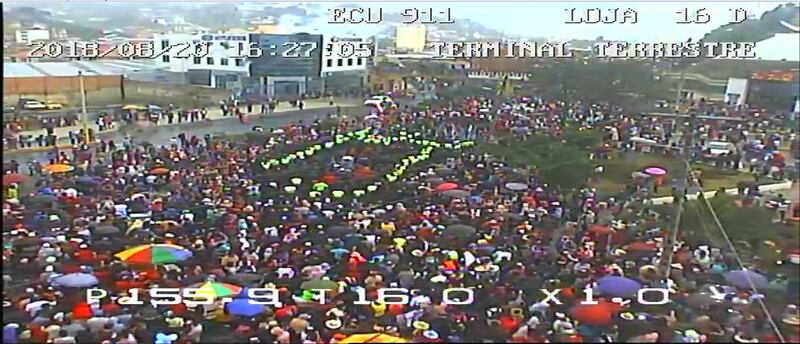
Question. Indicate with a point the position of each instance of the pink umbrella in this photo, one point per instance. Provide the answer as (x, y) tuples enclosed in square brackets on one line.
[(655, 171), (446, 187)]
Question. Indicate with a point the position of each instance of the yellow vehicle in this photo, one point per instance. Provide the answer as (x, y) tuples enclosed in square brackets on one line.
[(53, 105)]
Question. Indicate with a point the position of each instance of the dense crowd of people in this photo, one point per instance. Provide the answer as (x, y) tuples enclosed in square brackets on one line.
[(458, 219)]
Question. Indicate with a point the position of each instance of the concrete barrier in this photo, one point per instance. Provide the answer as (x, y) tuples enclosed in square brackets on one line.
[(708, 194)]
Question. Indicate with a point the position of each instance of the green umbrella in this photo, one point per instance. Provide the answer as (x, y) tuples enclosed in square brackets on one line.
[(297, 180), (319, 283), (320, 186), (358, 193), (337, 193), (290, 188), (314, 194)]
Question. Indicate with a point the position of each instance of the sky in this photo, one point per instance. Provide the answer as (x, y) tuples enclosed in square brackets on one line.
[(657, 20)]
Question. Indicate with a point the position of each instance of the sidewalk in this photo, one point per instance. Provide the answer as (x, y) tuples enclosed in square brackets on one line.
[(777, 186), (62, 133)]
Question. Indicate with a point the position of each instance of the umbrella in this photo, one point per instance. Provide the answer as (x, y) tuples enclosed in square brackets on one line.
[(41, 199), (443, 170), (133, 107), (742, 279), (461, 194), (58, 168), (217, 289), (154, 254), (700, 300), (245, 307), (655, 171), (599, 314), (159, 170), (446, 187), (86, 180), (434, 181), (339, 231), (105, 229), (373, 338), (516, 186), (642, 247), (319, 283), (15, 178), (618, 286), (76, 280), (26, 241), (459, 230), (601, 229), (246, 278)]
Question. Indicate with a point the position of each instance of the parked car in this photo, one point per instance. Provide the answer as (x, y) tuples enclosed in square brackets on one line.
[(9, 109), (53, 105), (33, 105), (719, 147)]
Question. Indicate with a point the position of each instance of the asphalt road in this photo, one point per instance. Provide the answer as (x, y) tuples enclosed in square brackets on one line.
[(160, 135)]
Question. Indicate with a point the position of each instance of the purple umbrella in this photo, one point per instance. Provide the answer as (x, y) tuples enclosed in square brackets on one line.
[(75, 280), (618, 286), (655, 171), (742, 278)]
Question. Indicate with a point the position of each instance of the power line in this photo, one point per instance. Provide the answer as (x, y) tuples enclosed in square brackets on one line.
[(738, 259)]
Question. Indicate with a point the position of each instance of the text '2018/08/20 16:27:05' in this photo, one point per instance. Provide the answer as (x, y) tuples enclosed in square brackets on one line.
[(135, 50)]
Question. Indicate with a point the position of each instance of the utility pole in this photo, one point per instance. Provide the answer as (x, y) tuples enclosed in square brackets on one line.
[(83, 110)]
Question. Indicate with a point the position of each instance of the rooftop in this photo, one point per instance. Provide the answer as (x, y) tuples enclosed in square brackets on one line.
[(72, 68)]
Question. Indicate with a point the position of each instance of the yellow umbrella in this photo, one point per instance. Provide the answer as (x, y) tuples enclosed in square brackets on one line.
[(133, 107), (58, 168), (373, 338)]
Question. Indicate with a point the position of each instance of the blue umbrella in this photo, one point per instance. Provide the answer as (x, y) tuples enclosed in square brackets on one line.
[(739, 279), (618, 286), (244, 307), (75, 280), (86, 180)]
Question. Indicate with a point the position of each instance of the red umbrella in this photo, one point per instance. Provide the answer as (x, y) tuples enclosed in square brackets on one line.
[(601, 229), (642, 246), (15, 178), (329, 179), (446, 187), (600, 314), (159, 170)]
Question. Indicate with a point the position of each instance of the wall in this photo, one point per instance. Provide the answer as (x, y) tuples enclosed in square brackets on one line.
[(102, 91)]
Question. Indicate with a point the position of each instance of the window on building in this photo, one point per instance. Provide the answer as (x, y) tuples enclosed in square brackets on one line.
[(225, 45), (165, 58), (360, 61), (349, 62), (223, 62), (329, 63), (238, 62), (164, 44), (210, 60), (340, 62), (198, 60)]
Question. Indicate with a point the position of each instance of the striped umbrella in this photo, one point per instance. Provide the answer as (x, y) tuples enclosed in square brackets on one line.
[(154, 254), (217, 289)]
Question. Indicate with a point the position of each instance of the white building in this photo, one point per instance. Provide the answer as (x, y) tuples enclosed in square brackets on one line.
[(736, 92), (345, 61), (31, 35), (346, 54), (411, 38), (222, 67)]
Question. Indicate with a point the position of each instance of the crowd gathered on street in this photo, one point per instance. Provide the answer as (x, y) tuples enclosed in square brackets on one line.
[(386, 228)]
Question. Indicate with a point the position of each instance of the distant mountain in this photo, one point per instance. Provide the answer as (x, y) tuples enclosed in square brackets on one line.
[(757, 29)]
